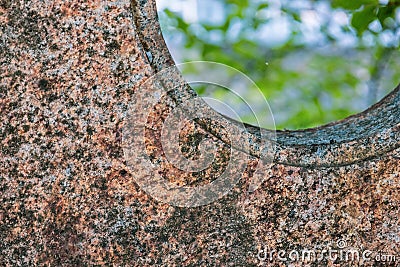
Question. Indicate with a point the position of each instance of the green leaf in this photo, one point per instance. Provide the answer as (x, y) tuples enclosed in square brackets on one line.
[(262, 6), (352, 4), (240, 3), (246, 48), (361, 19), (386, 12)]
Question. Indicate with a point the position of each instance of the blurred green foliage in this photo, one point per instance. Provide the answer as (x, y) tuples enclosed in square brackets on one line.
[(335, 59)]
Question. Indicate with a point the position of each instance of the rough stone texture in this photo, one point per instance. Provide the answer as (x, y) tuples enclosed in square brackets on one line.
[(68, 72)]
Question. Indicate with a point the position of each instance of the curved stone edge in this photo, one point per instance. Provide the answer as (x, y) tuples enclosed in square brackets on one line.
[(360, 137)]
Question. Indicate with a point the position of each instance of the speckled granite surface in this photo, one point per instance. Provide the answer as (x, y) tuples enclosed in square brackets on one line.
[(68, 72)]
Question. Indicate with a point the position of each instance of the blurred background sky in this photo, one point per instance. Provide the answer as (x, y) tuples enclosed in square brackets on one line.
[(314, 61)]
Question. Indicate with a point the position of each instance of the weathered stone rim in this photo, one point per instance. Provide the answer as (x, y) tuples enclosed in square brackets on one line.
[(368, 134)]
